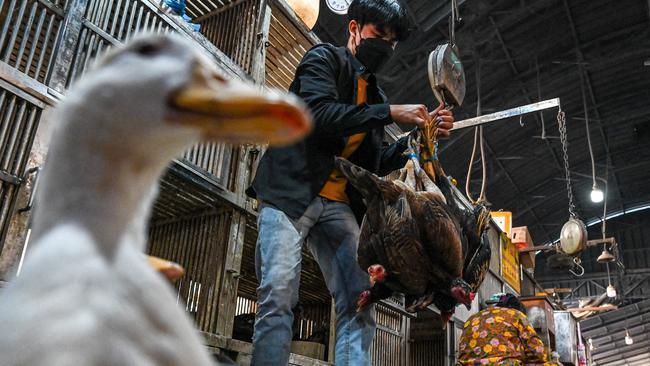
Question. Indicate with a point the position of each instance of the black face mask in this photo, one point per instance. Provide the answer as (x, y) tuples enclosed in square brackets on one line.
[(373, 53)]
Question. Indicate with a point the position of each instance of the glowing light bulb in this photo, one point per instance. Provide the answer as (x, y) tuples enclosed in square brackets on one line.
[(611, 291), (597, 195), (628, 339)]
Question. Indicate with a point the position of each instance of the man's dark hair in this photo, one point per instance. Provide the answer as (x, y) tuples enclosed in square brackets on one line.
[(386, 15)]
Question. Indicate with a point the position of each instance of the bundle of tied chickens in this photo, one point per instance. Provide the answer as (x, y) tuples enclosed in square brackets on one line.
[(416, 238)]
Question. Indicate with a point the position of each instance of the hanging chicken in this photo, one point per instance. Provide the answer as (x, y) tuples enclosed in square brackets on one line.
[(410, 242), (415, 238)]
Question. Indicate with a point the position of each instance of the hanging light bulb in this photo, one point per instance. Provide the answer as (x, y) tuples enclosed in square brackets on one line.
[(606, 256), (628, 339), (597, 195), (591, 344), (611, 291), (306, 10)]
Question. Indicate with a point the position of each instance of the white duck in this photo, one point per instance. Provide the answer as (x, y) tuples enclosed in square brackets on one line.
[(86, 295)]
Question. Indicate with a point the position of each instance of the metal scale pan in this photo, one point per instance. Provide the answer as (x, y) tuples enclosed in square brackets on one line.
[(446, 76)]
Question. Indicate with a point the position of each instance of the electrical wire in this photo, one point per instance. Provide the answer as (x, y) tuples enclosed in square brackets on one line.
[(478, 134), (584, 104)]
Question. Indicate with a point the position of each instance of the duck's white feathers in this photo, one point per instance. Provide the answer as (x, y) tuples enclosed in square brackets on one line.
[(124, 313)]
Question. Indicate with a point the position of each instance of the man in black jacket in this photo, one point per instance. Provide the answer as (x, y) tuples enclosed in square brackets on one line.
[(304, 199)]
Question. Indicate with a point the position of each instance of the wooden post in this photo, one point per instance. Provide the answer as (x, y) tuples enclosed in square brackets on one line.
[(232, 265), (67, 44), (406, 321), (261, 38), (230, 279), (332, 340)]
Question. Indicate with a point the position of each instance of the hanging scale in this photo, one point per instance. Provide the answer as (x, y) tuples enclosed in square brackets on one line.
[(573, 236)]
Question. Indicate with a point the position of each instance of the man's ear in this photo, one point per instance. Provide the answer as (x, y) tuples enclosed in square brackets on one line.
[(353, 27)]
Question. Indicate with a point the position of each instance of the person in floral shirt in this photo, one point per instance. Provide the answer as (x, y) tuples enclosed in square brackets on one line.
[(501, 336)]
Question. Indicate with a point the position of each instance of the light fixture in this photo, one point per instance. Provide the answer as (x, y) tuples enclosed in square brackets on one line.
[(628, 339), (307, 10), (606, 256), (597, 195), (611, 291), (591, 344)]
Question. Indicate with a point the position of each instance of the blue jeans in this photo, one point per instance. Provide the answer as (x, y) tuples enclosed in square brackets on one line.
[(331, 233)]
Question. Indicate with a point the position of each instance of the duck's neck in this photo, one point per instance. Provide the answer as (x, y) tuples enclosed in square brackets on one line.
[(108, 196)]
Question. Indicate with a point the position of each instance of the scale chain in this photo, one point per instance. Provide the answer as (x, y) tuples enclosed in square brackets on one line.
[(561, 121)]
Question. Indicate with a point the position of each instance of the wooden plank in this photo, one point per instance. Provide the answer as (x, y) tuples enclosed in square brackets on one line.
[(259, 56), (217, 11), (101, 33), (232, 266), (66, 43), (227, 343), (45, 49), (332, 340), (28, 88), (50, 6)]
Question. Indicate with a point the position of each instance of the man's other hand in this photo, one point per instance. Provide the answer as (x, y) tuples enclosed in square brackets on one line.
[(444, 118), (417, 114)]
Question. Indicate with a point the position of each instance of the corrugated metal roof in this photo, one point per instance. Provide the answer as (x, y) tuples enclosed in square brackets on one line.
[(607, 332)]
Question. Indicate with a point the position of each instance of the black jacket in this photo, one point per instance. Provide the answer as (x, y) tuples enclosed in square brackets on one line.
[(290, 177)]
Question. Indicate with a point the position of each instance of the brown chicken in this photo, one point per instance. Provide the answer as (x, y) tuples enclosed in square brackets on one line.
[(411, 242)]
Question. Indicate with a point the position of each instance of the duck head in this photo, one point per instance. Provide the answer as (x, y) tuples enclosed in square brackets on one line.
[(141, 106), (162, 88)]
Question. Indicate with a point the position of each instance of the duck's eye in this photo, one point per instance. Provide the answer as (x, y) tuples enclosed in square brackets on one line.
[(147, 49)]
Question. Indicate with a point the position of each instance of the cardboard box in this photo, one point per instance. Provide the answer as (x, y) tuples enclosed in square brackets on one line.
[(521, 237), (503, 219)]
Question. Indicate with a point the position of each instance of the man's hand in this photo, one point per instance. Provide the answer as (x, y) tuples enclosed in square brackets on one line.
[(417, 114), (444, 118), (409, 114)]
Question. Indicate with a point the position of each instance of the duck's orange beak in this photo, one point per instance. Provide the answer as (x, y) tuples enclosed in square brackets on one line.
[(171, 270), (235, 111)]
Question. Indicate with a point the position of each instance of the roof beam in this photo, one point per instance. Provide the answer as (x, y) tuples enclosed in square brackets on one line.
[(617, 353), (618, 332), (619, 347), (592, 96), (641, 349), (411, 14), (631, 362), (611, 317), (440, 13)]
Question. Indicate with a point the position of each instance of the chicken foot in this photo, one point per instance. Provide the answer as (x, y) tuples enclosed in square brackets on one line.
[(420, 303), (376, 293)]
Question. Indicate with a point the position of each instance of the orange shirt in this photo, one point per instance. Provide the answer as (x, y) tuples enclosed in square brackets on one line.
[(334, 188)]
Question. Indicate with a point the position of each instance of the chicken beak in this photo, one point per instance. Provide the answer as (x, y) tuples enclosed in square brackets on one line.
[(237, 112)]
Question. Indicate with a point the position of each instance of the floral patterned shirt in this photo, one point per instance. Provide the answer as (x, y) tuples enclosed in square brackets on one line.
[(499, 337)]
